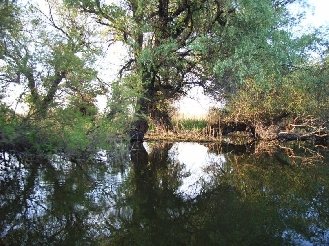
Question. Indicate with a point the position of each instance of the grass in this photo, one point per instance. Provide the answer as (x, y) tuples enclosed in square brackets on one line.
[(184, 129), (189, 124)]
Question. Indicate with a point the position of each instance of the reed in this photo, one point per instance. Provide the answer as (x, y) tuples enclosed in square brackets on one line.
[(189, 124), (184, 129)]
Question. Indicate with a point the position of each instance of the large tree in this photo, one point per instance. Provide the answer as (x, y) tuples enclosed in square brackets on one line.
[(177, 44), (50, 56)]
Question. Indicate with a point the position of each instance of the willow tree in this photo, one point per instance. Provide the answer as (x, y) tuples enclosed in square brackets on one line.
[(50, 56), (9, 26), (178, 44)]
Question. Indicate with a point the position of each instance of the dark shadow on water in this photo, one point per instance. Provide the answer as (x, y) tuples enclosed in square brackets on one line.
[(231, 148), (158, 214), (277, 197)]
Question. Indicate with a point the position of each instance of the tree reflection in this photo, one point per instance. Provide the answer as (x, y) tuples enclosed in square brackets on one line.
[(45, 204), (271, 195), (277, 197), (158, 214)]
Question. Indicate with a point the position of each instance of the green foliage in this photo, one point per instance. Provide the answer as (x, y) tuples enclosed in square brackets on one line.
[(65, 130), (124, 94), (256, 43), (74, 135), (77, 133), (242, 50), (300, 93), (52, 56), (9, 21), (189, 124), (216, 44), (8, 124), (22, 135)]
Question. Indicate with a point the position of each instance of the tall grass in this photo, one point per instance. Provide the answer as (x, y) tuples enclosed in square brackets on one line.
[(184, 129), (189, 124)]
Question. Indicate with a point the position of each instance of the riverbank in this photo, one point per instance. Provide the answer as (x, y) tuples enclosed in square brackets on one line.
[(244, 131), (181, 136)]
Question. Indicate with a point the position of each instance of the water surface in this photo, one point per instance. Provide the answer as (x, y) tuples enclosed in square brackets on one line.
[(168, 194)]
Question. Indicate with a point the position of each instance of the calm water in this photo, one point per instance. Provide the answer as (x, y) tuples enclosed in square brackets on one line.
[(168, 194)]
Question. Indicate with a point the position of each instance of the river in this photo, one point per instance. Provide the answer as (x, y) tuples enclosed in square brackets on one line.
[(161, 193)]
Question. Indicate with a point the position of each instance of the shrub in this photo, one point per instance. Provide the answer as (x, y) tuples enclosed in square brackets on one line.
[(263, 102)]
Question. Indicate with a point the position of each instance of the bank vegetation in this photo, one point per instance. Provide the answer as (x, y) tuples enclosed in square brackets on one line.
[(272, 82)]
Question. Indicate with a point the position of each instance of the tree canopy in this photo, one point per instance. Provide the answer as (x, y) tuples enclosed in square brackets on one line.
[(225, 47), (50, 56), (175, 45)]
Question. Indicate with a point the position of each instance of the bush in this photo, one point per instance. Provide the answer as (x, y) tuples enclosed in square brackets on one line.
[(8, 124), (263, 102)]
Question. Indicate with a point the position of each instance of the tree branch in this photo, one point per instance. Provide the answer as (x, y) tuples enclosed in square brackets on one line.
[(126, 67)]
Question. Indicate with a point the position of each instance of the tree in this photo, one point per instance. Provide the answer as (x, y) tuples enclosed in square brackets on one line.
[(51, 56), (178, 44), (8, 20), (9, 24)]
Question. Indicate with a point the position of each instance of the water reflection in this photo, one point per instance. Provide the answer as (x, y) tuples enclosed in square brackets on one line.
[(194, 159), (155, 211), (167, 194)]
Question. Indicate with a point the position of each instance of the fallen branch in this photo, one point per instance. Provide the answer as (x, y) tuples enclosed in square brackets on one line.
[(317, 137), (224, 128)]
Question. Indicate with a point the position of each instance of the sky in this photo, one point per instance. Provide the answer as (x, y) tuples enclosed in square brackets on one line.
[(195, 104), (318, 13)]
